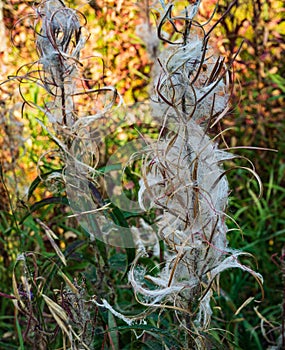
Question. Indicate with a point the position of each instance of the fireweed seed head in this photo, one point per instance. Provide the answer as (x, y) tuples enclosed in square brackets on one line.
[(60, 36), (60, 25), (184, 176), (190, 81)]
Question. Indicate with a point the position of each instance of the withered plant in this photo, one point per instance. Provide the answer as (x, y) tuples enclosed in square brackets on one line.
[(182, 179), (49, 302), (183, 173)]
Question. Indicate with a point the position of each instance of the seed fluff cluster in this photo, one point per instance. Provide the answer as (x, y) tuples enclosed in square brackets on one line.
[(183, 175)]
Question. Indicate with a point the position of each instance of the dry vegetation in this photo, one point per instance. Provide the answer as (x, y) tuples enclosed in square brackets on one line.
[(78, 87)]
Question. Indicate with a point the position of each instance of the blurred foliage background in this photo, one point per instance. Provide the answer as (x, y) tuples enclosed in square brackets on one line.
[(115, 55)]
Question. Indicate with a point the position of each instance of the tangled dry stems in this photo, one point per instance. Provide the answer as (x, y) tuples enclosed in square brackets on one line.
[(182, 174)]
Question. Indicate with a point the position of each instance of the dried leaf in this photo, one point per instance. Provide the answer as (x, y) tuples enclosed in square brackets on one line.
[(52, 236)]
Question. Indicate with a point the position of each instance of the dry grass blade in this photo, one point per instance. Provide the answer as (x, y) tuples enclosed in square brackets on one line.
[(79, 339), (69, 283), (24, 282), (262, 317), (255, 175), (15, 287), (52, 236), (58, 314), (248, 301), (105, 207)]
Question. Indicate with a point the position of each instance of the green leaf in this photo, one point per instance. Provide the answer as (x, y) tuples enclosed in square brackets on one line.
[(38, 180), (118, 261), (20, 336), (43, 203), (102, 250), (253, 334), (278, 80), (114, 335), (160, 334), (111, 167), (118, 217)]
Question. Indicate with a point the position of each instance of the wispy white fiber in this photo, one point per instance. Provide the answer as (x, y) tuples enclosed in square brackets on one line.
[(107, 306), (183, 175)]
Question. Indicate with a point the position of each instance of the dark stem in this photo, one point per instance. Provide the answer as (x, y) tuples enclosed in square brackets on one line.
[(63, 105)]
